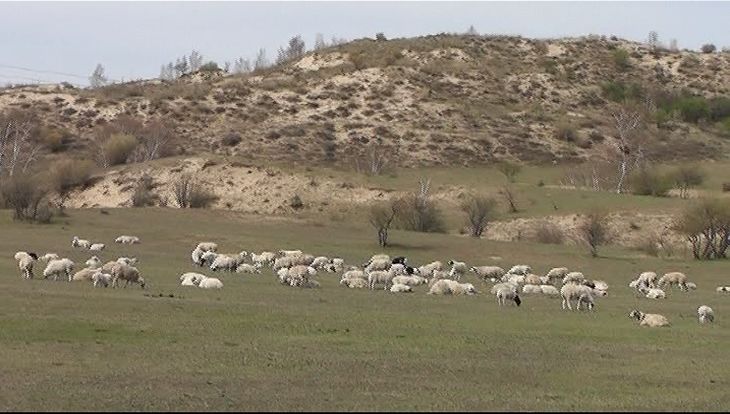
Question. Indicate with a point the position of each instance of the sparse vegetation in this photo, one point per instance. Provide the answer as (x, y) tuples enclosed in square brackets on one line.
[(706, 225), (594, 230), (381, 216), (549, 233), (144, 195), (479, 211), (67, 174), (26, 196), (189, 193)]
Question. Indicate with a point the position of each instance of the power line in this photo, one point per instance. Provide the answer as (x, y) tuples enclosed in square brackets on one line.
[(50, 72), (14, 77)]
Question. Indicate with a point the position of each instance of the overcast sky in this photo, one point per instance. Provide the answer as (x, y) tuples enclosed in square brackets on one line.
[(132, 39)]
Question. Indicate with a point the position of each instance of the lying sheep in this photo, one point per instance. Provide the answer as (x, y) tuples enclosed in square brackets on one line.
[(398, 269), (451, 287), (57, 267), (549, 290), (532, 279), (127, 240), (705, 314), (522, 270), (428, 270), (488, 272), (654, 293), (101, 279), (320, 262), (673, 278), (283, 253), (49, 256), (398, 288), (504, 294), (354, 274), (76, 242), (458, 269), (409, 280), (336, 266), (378, 265), (93, 263), (247, 268), (196, 256), (531, 289), (355, 283), (722, 289), (377, 257), (207, 258), (191, 279), (649, 319), (210, 283), (128, 260), (85, 274), (691, 286), (97, 247), (128, 273), (439, 275), (25, 263)]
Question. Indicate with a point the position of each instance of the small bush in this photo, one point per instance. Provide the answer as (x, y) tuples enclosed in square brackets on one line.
[(693, 109), (594, 231), (209, 67), (416, 213), (54, 139), (566, 132), (479, 211), (646, 182), (296, 202), (117, 149), (648, 246), (509, 170), (620, 59), (719, 108), (231, 139), (68, 174), (189, 194), (725, 187), (708, 48), (26, 195), (549, 233), (143, 195), (686, 178)]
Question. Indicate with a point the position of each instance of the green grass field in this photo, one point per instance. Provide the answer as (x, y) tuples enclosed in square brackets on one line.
[(258, 345)]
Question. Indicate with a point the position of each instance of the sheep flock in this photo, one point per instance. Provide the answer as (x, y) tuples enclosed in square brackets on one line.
[(393, 275)]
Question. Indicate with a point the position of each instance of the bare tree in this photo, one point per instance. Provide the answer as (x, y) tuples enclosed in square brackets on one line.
[(479, 210), (319, 42), (509, 196), (509, 170), (195, 61), (241, 66), (594, 231), (472, 31), (653, 40), (261, 61), (97, 78), (673, 45), (381, 217), (375, 159), (16, 147), (627, 121), (155, 140)]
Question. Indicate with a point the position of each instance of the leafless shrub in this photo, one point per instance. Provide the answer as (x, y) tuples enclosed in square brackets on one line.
[(706, 225), (594, 231), (117, 149), (143, 195), (190, 194), (417, 212), (510, 197), (509, 170), (26, 195), (17, 151), (381, 217), (479, 211), (549, 233), (67, 174)]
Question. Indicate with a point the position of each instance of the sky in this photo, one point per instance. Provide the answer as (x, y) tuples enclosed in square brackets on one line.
[(64, 41)]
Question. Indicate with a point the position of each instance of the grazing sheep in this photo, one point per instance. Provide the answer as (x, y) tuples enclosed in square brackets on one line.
[(25, 263), (409, 280), (722, 289), (531, 289), (93, 263), (488, 272), (556, 273), (210, 283), (97, 247), (586, 298), (648, 278), (571, 291), (522, 270), (85, 274), (127, 240), (76, 242), (705, 314), (458, 269), (378, 265), (354, 274), (532, 279), (649, 319), (451, 287), (514, 279), (574, 277), (549, 290), (207, 247), (247, 268), (101, 279), (398, 288), (319, 262), (57, 267), (376, 257), (673, 278), (380, 277), (128, 273), (228, 262), (191, 279), (128, 260), (504, 294), (691, 286), (428, 270), (263, 258), (207, 258), (49, 256)]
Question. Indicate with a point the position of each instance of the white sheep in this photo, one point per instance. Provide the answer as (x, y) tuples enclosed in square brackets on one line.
[(76, 242), (488, 272), (128, 273), (531, 289), (247, 268), (207, 246), (556, 273), (428, 270), (127, 240), (191, 279), (654, 293), (503, 285), (319, 262), (93, 263), (673, 278), (25, 263), (549, 290), (337, 265), (264, 258), (458, 269), (85, 274), (574, 277), (705, 314), (649, 319), (600, 285), (374, 257), (378, 265), (207, 258), (505, 293), (57, 267), (648, 278), (521, 270), (128, 260), (49, 256), (376, 277), (451, 287), (398, 288), (532, 279), (409, 280), (228, 262), (355, 283), (398, 269), (722, 289), (586, 298), (691, 286), (210, 283), (101, 279), (284, 253), (571, 291), (97, 247)]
